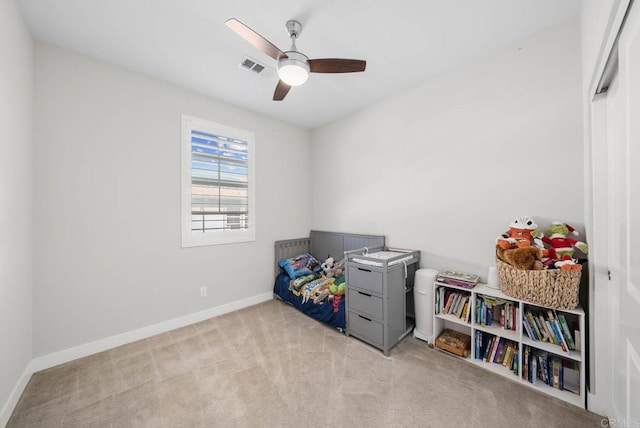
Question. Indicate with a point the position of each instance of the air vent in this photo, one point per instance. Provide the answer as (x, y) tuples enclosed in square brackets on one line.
[(252, 65)]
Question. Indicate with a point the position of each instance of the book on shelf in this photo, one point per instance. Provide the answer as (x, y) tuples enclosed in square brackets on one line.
[(566, 331), (453, 302), (528, 329), (556, 367), (450, 298), (571, 376), (488, 348), (460, 276), (534, 326), (544, 326), (463, 278), (533, 370), (508, 355), (465, 310), (496, 350), (555, 327), (461, 304), (479, 347)]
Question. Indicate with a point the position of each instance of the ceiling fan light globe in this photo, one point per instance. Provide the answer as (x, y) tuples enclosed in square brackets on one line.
[(293, 70)]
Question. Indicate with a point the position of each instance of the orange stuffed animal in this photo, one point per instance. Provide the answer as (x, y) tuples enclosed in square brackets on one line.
[(519, 234)]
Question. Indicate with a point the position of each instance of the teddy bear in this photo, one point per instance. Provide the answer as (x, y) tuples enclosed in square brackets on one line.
[(523, 258), (522, 233)]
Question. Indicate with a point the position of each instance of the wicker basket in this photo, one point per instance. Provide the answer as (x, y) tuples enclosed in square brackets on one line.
[(554, 288)]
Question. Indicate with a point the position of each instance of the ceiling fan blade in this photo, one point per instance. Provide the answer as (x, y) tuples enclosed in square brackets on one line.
[(281, 91), (255, 39), (336, 65)]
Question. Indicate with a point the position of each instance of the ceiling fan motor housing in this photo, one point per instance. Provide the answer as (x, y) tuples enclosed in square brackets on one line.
[(294, 68)]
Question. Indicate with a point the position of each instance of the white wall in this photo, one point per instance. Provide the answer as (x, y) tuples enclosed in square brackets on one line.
[(108, 256), (445, 167), (16, 204)]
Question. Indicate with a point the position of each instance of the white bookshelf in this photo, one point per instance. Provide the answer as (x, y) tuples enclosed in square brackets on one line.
[(518, 336)]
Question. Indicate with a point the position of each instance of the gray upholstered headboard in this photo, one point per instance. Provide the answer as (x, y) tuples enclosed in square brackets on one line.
[(322, 244)]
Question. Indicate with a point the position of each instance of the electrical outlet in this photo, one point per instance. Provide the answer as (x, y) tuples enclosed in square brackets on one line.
[(203, 291)]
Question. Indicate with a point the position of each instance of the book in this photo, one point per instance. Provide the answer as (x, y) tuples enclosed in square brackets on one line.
[(543, 333), (454, 304), (459, 276), (468, 313), (499, 352), (566, 331), (445, 309), (533, 325), (542, 368), (533, 372), (508, 355), (461, 305), (527, 328), (457, 283), (571, 376), (555, 327), (465, 312), (555, 370), (487, 349), (547, 329)]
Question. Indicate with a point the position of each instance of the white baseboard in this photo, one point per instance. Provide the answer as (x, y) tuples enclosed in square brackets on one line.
[(66, 355), (15, 395), (61, 357)]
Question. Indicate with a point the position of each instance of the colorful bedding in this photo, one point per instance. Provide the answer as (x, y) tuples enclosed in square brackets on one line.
[(320, 298)]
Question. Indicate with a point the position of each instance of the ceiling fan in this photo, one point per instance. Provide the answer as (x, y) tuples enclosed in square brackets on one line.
[(293, 67)]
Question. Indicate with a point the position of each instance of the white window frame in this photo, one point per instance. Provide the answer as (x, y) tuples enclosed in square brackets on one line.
[(193, 239)]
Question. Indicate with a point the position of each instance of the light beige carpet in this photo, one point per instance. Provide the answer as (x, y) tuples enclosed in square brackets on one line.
[(271, 366)]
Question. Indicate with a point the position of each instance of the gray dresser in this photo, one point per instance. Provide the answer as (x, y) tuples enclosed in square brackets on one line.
[(380, 295)]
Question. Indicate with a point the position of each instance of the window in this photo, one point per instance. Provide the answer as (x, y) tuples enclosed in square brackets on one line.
[(218, 185)]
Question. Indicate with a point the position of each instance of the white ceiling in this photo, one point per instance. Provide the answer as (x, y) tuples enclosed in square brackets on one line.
[(186, 42)]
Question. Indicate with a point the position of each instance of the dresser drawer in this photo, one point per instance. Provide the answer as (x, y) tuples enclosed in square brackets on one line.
[(365, 303), (365, 278), (366, 328)]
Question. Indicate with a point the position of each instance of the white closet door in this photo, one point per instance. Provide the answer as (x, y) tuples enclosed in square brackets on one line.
[(624, 219)]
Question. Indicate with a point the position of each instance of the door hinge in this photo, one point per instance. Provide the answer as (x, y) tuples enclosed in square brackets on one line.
[(609, 274)]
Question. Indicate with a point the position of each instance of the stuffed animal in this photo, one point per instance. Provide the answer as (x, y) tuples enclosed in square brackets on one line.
[(521, 233), (328, 265), (523, 258), (562, 247), (332, 269), (567, 264)]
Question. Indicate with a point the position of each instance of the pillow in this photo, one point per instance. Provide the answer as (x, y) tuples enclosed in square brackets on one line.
[(300, 265)]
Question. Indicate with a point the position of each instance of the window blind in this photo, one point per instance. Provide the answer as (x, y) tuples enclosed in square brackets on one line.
[(219, 183)]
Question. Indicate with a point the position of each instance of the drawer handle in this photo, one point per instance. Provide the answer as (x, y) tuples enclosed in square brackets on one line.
[(364, 318), (364, 270), (364, 294)]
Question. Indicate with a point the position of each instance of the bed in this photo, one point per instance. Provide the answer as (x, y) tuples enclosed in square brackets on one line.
[(320, 297)]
